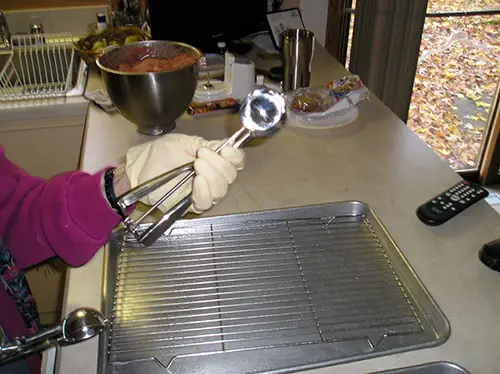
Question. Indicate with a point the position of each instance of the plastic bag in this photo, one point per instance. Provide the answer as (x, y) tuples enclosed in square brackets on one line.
[(323, 104)]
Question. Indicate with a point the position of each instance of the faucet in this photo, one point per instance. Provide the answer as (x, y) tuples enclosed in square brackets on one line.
[(4, 32)]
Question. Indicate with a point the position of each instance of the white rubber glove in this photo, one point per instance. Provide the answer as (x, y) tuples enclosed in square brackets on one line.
[(214, 172)]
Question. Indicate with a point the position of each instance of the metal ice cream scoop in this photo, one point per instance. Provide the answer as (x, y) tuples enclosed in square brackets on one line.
[(79, 325), (262, 114)]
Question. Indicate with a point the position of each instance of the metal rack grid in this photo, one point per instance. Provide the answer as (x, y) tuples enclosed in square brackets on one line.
[(40, 66), (260, 285)]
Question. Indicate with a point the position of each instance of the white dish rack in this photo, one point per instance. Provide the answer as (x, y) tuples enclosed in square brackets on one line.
[(39, 66)]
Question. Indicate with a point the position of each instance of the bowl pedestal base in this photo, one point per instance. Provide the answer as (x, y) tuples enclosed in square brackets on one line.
[(157, 130)]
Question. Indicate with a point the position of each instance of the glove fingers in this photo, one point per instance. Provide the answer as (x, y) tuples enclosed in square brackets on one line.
[(191, 147), (216, 182), (202, 197), (234, 156), (213, 144), (218, 162)]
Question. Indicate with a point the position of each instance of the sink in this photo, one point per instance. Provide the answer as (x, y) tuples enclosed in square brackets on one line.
[(428, 368), (51, 69)]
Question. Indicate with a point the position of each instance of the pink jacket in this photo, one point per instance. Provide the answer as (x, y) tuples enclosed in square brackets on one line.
[(65, 216)]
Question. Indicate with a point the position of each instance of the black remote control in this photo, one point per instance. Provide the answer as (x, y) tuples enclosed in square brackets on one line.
[(449, 203)]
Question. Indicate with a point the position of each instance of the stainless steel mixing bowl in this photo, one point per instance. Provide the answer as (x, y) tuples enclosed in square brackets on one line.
[(152, 101)]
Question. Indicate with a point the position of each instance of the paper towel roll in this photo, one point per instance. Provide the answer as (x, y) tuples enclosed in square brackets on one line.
[(242, 78)]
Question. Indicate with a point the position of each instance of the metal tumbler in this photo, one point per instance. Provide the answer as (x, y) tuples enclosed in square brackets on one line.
[(297, 55)]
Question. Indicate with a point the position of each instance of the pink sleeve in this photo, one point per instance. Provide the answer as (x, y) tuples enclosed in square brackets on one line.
[(66, 216)]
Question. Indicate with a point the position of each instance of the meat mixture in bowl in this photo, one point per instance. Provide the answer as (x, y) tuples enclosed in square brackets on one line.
[(154, 64)]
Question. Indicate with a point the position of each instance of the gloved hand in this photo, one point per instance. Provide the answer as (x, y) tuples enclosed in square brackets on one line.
[(214, 172)]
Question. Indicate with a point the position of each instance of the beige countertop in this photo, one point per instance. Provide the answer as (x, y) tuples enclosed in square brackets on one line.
[(375, 159)]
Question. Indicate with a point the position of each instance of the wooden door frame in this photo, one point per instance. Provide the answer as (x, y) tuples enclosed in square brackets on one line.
[(489, 163), (337, 28)]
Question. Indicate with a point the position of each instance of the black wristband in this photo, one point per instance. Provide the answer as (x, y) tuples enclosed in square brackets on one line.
[(109, 176)]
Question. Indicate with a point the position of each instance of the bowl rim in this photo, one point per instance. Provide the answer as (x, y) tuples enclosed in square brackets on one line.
[(142, 42)]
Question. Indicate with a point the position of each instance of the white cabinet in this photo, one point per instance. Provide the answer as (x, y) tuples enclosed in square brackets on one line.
[(44, 147)]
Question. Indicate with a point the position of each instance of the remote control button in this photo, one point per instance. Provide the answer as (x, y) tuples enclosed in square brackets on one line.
[(473, 196), (462, 202), (453, 208), (467, 199), (447, 194), (454, 198), (436, 210), (434, 201), (440, 198)]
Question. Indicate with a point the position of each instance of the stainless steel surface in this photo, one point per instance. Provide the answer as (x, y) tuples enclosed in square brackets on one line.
[(152, 101), (79, 325), (297, 55), (273, 291), (429, 368), (41, 66), (4, 33), (262, 114), (82, 324)]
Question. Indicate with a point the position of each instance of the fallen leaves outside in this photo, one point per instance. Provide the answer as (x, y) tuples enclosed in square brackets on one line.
[(456, 79)]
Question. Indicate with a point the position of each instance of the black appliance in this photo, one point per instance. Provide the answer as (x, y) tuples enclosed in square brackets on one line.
[(203, 23)]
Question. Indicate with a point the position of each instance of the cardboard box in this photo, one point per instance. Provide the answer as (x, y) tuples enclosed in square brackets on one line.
[(47, 285)]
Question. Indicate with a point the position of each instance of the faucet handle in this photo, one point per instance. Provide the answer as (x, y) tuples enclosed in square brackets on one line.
[(36, 29)]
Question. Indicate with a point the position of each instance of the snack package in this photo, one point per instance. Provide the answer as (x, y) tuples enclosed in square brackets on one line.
[(323, 104), (211, 108), (342, 87)]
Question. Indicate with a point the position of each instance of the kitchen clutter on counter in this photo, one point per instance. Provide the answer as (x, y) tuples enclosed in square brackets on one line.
[(217, 83), (317, 107), (239, 80)]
